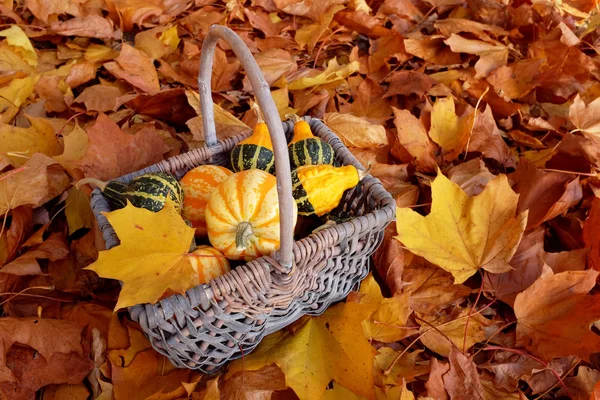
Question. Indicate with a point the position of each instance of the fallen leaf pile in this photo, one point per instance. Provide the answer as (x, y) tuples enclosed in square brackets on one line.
[(481, 118)]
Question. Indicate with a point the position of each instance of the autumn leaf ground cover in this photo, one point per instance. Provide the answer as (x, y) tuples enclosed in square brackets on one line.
[(480, 117)]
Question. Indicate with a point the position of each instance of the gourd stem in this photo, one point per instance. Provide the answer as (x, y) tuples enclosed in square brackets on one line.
[(259, 115), (242, 235), (97, 182), (294, 117), (362, 174)]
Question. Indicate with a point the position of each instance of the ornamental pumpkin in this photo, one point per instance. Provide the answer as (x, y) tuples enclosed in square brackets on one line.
[(149, 191), (208, 263), (307, 149), (318, 189), (197, 185), (242, 216), (255, 151)]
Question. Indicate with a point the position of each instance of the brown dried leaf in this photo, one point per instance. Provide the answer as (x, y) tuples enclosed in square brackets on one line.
[(581, 387), (46, 336), (527, 264), (517, 79), (369, 101), (253, 385), (43, 9), (36, 182), (33, 372), (113, 153), (491, 56), (100, 97), (384, 48), (54, 248), (472, 176), (430, 289), (135, 67), (274, 63), (486, 138), (555, 315), (435, 383), (93, 26), (140, 379), (591, 234), (585, 117), (223, 72), (462, 381), (545, 194), (413, 137), (406, 83), (449, 26), (355, 131)]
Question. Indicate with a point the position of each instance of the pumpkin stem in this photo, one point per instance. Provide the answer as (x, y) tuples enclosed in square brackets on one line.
[(96, 182), (242, 235)]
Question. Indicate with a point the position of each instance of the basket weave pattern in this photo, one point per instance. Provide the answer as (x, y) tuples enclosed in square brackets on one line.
[(216, 322)]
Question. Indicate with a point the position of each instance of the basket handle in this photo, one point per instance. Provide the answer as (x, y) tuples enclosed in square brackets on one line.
[(265, 101)]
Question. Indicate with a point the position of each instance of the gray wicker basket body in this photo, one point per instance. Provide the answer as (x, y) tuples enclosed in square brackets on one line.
[(219, 321)]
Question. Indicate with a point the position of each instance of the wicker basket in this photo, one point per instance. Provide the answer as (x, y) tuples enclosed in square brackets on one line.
[(214, 323)]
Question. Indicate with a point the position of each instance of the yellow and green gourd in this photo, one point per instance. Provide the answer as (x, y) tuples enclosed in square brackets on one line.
[(318, 189), (242, 215), (307, 149), (255, 151), (149, 191)]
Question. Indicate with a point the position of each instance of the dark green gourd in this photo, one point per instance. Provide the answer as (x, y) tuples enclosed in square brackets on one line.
[(149, 191), (307, 149), (255, 151)]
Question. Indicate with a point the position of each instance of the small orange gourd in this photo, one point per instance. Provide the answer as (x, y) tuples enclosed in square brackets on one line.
[(242, 216), (197, 185), (208, 263)]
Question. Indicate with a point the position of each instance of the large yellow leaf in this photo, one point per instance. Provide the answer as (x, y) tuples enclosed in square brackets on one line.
[(152, 257), (329, 347), (462, 233)]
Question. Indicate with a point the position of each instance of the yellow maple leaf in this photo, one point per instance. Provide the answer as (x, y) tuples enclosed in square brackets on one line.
[(462, 233), (388, 316), (321, 349), (20, 43), (152, 257)]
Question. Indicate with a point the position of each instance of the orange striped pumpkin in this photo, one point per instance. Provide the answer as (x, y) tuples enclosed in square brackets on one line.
[(242, 216), (208, 263), (197, 186)]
